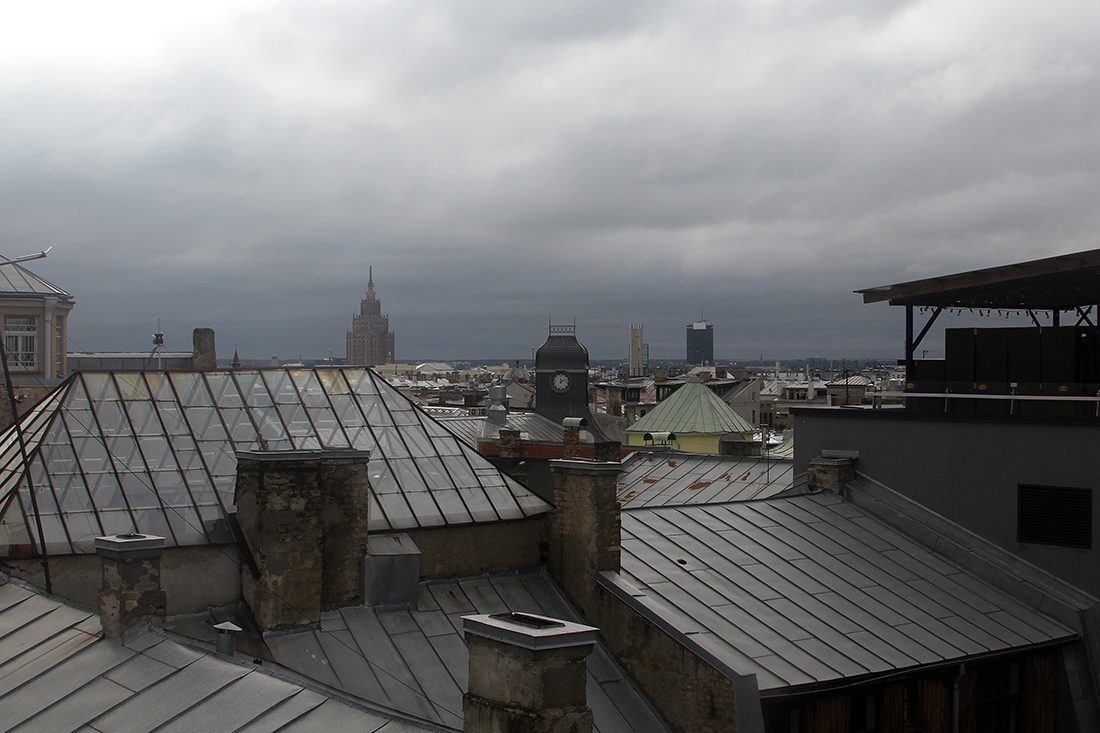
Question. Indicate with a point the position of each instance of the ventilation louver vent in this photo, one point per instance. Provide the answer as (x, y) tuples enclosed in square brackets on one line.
[(1054, 515)]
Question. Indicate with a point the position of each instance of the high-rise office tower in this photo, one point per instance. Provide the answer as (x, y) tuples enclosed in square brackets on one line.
[(700, 343)]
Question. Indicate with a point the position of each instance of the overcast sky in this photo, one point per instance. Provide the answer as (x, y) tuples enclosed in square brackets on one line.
[(239, 164)]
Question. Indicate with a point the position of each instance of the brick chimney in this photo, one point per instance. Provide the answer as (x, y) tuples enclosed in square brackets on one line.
[(204, 356), (303, 516), (131, 593), (527, 675), (571, 444), (510, 444), (586, 534)]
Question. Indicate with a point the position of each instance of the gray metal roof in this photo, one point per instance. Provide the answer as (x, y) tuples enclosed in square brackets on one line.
[(416, 662), (811, 590), (531, 427), (17, 281), (58, 674), (154, 452), (650, 479)]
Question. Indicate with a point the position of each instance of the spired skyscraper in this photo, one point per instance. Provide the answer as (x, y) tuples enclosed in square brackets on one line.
[(370, 340), (700, 343)]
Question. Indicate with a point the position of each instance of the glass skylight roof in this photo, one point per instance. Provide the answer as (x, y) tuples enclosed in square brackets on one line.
[(154, 452)]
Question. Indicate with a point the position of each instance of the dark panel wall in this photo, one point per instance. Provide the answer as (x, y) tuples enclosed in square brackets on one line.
[(968, 469)]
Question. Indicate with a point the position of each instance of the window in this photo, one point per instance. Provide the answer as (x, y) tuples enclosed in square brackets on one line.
[(1054, 515), (21, 342)]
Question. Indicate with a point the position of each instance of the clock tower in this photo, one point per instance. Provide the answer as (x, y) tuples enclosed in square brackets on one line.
[(561, 376)]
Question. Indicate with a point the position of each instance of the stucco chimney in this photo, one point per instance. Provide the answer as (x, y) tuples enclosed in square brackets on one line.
[(204, 356), (131, 592), (527, 673), (587, 532), (303, 515)]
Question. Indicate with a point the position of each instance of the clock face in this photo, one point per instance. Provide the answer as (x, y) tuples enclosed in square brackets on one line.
[(560, 382)]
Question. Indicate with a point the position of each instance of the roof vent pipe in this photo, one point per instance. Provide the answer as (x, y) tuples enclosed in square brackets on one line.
[(227, 637)]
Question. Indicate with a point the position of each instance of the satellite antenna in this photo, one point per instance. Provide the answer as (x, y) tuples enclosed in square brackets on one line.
[(158, 343)]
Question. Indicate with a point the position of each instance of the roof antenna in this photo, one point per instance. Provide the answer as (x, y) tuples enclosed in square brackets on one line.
[(158, 343), (25, 258)]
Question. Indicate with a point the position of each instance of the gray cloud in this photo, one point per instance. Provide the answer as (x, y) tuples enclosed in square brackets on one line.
[(503, 165)]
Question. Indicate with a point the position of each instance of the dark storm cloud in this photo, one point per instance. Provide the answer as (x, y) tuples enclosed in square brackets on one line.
[(504, 164)]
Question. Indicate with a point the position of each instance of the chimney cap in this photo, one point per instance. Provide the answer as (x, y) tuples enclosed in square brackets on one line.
[(529, 631), (129, 544), (227, 627)]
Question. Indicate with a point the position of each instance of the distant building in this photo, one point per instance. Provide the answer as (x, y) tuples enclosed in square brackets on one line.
[(561, 376), (370, 340), (34, 314), (700, 343), (637, 351)]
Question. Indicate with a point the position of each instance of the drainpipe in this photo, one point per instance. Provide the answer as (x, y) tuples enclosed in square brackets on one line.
[(955, 698)]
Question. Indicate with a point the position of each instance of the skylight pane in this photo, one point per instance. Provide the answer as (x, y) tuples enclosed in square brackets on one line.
[(83, 529), (397, 510), (104, 490), (70, 491), (116, 522), (389, 443), (333, 382), (131, 386), (186, 526), (450, 503), (254, 390), (144, 418), (111, 419), (224, 390), (153, 521), (57, 540), (159, 387), (191, 389), (312, 393), (460, 472), (481, 509), (361, 383)]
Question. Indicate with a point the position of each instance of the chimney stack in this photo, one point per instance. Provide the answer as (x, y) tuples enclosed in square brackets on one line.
[(586, 534), (527, 673), (204, 356), (131, 591), (832, 471), (510, 446), (303, 515)]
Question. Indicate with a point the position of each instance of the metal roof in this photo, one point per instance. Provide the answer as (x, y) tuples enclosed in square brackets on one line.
[(154, 452), (57, 673), (1063, 282), (531, 427), (811, 590), (416, 661), (651, 479), (692, 409), (17, 281)]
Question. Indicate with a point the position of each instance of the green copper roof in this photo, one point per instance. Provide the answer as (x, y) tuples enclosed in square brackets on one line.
[(692, 409)]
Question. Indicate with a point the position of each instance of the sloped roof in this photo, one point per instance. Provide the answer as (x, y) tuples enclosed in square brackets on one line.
[(58, 673), (811, 590), (672, 479), (531, 426), (417, 662), (154, 452), (692, 409), (17, 281)]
